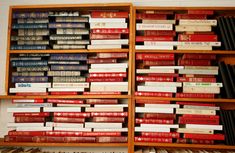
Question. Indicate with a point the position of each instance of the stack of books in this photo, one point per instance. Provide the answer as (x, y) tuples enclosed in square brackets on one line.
[(155, 75), (109, 29), (155, 120), (68, 30), (30, 31), (195, 30), (199, 123), (108, 73), (154, 30)]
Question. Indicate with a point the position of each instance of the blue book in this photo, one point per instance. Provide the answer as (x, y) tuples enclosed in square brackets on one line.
[(28, 63), (28, 47), (66, 25), (69, 57), (29, 79), (30, 15), (29, 26)]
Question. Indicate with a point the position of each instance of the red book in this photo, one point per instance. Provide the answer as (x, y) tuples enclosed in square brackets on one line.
[(140, 16), (204, 136), (104, 36), (18, 138), (151, 101), (201, 116), (154, 56), (154, 94), (199, 56), (160, 134), (153, 38), (159, 63), (154, 78), (190, 16), (194, 95), (114, 79), (42, 114), (65, 101), (157, 140), (68, 120), (158, 12), (111, 55), (117, 139), (102, 101), (32, 94), (64, 93), (194, 141), (207, 12), (198, 76), (26, 133), (110, 30), (80, 139), (101, 60), (194, 103), (27, 100), (72, 114), (190, 62), (104, 14), (101, 134), (206, 121), (153, 121), (33, 119), (159, 116), (102, 93), (197, 37), (107, 75), (109, 114), (48, 139), (163, 74), (109, 119), (159, 33), (189, 79), (63, 133)]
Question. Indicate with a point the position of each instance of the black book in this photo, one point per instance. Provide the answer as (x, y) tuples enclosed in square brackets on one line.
[(226, 32), (230, 32), (225, 79), (222, 33), (228, 126), (225, 129), (231, 78), (231, 119)]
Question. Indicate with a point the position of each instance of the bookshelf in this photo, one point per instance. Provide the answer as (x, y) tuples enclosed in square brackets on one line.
[(225, 55)]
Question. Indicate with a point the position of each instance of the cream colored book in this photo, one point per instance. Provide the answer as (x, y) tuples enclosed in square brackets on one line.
[(104, 109), (201, 89), (163, 84), (144, 71), (154, 110), (110, 42), (71, 85), (152, 47), (147, 129), (172, 126), (100, 46), (198, 71), (202, 84), (202, 126), (201, 107), (105, 70), (157, 89), (146, 21), (195, 111), (202, 67), (194, 47), (183, 28), (115, 20), (141, 26), (102, 125), (195, 130), (198, 22), (112, 65)]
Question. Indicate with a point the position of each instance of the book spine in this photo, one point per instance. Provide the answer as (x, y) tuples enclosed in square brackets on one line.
[(104, 36), (199, 57), (100, 14), (190, 16), (68, 120), (159, 33), (110, 31), (29, 119), (197, 37), (66, 25), (184, 120), (188, 79), (28, 63), (184, 62), (111, 139), (157, 94), (29, 26), (68, 67), (145, 56), (109, 114), (30, 15), (29, 79), (65, 101), (109, 119), (72, 114), (194, 141), (159, 116), (152, 78), (194, 95), (140, 16), (157, 140), (26, 133), (160, 134), (204, 136), (104, 79), (158, 63), (42, 114), (28, 47), (107, 75), (153, 121), (207, 12), (153, 38), (101, 134)]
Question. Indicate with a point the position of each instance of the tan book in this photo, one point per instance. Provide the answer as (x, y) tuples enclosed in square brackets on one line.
[(146, 21), (141, 26), (183, 28), (197, 22), (198, 71), (202, 67), (101, 24), (201, 89), (194, 47), (197, 131), (201, 84), (195, 111), (71, 85)]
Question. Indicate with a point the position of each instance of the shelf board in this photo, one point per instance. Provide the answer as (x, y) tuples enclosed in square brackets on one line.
[(195, 146), (189, 99), (32, 144), (69, 51), (187, 51)]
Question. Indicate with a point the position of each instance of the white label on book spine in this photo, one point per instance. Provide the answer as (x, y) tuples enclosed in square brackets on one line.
[(182, 44), (34, 129), (166, 67), (105, 70), (104, 109), (27, 89), (146, 21), (194, 47), (111, 130), (190, 89), (141, 26), (116, 105), (201, 107), (100, 46), (65, 125), (195, 130), (66, 89)]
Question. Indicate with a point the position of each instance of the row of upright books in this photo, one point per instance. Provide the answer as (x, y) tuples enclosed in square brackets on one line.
[(70, 30)]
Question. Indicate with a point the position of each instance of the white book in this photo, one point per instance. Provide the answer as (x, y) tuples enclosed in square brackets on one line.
[(198, 22), (202, 84), (23, 110), (116, 20), (163, 84), (160, 126), (109, 83), (194, 47), (102, 125), (202, 89), (25, 124), (33, 85), (111, 130), (34, 129), (199, 28), (152, 47), (154, 110), (94, 25), (147, 21), (200, 126), (66, 89), (195, 111), (24, 100), (202, 67), (155, 71), (62, 109), (156, 89), (198, 71), (100, 46), (110, 42), (142, 26), (112, 65), (201, 107), (30, 105), (162, 105), (167, 67), (65, 125), (161, 43), (72, 129), (199, 44), (71, 85), (73, 105), (111, 88), (142, 129), (104, 70), (195, 130), (27, 89), (115, 105), (104, 109)]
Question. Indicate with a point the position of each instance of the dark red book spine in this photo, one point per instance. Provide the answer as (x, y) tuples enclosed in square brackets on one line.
[(207, 12), (158, 140), (48, 139), (194, 95), (72, 114), (64, 93), (109, 114), (68, 120), (159, 63), (65, 101), (153, 38), (18, 138), (104, 36), (105, 79), (197, 37), (154, 56), (63, 133), (194, 103), (201, 116), (109, 119), (159, 116), (199, 56), (34, 100), (190, 16), (102, 101), (110, 31), (100, 14), (151, 101), (189, 79), (154, 94), (26, 133), (100, 60), (191, 62), (33, 119), (204, 136), (111, 139), (206, 121), (102, 134), (160, 134), (153, 121), (154, 78), (140, 16), (80, 139), (193, 141), (197, 76), (158, 12), (32, 94), (102, 93), (42, 114), (107, 75), (159, 33)]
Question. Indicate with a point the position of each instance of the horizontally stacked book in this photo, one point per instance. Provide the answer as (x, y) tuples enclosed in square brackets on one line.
[(168, 30), (69, 120)]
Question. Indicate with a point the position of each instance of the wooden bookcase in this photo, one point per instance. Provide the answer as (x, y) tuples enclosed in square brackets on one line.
[(227, 56)]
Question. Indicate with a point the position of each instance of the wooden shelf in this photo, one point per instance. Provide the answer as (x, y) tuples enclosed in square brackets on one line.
[(195, 146), (189, 99), (70, 51), (188, 51)]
